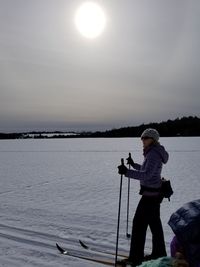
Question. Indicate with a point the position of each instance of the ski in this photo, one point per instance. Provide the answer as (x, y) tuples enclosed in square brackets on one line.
[(83, 245), (93, 258)]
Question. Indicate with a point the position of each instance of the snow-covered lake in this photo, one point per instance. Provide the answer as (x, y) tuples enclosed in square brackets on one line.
[(63, 190)]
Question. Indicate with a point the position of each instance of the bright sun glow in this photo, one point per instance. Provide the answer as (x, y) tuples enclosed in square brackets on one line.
[(90, 20)]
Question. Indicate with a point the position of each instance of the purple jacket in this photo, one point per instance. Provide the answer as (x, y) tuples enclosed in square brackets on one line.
[(149, 173), (185, 223)]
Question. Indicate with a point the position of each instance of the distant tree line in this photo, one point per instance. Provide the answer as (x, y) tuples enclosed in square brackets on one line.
[(10, 135), (186, 126)]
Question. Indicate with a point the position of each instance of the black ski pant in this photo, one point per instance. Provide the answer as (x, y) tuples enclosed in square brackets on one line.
[(147, 214)]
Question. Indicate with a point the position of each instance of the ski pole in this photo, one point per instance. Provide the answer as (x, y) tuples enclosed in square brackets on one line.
[(119, 211), (128, 198)]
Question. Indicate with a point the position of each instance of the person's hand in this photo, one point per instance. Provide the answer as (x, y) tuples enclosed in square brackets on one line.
[(122, 169)]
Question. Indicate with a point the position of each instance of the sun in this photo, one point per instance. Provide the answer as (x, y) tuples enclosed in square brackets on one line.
[(90, 20)]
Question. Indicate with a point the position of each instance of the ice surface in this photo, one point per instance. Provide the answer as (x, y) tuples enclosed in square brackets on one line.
[(62, 190)]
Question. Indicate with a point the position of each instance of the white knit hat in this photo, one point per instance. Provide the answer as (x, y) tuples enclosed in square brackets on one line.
[(151, 133)]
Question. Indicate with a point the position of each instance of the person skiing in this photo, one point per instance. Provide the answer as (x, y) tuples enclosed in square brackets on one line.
[(148, 209)]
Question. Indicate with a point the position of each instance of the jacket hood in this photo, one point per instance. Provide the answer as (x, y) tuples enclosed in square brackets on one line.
[(162, 152)]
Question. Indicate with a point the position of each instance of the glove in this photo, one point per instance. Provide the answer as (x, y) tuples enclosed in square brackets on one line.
[(130, 161), (122, 169)]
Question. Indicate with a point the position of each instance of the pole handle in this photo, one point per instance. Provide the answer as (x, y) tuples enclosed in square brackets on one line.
[(129, 155)]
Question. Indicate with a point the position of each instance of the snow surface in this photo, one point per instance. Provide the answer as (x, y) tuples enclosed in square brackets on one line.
[(62, 190)]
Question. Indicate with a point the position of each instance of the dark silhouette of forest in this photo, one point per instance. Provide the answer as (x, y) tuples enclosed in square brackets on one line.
[(186, 126)]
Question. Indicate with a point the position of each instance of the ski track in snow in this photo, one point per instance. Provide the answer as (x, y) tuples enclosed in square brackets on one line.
[(65, 190)]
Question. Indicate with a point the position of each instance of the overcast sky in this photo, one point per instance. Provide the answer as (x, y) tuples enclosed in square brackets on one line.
[(145, 67)]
